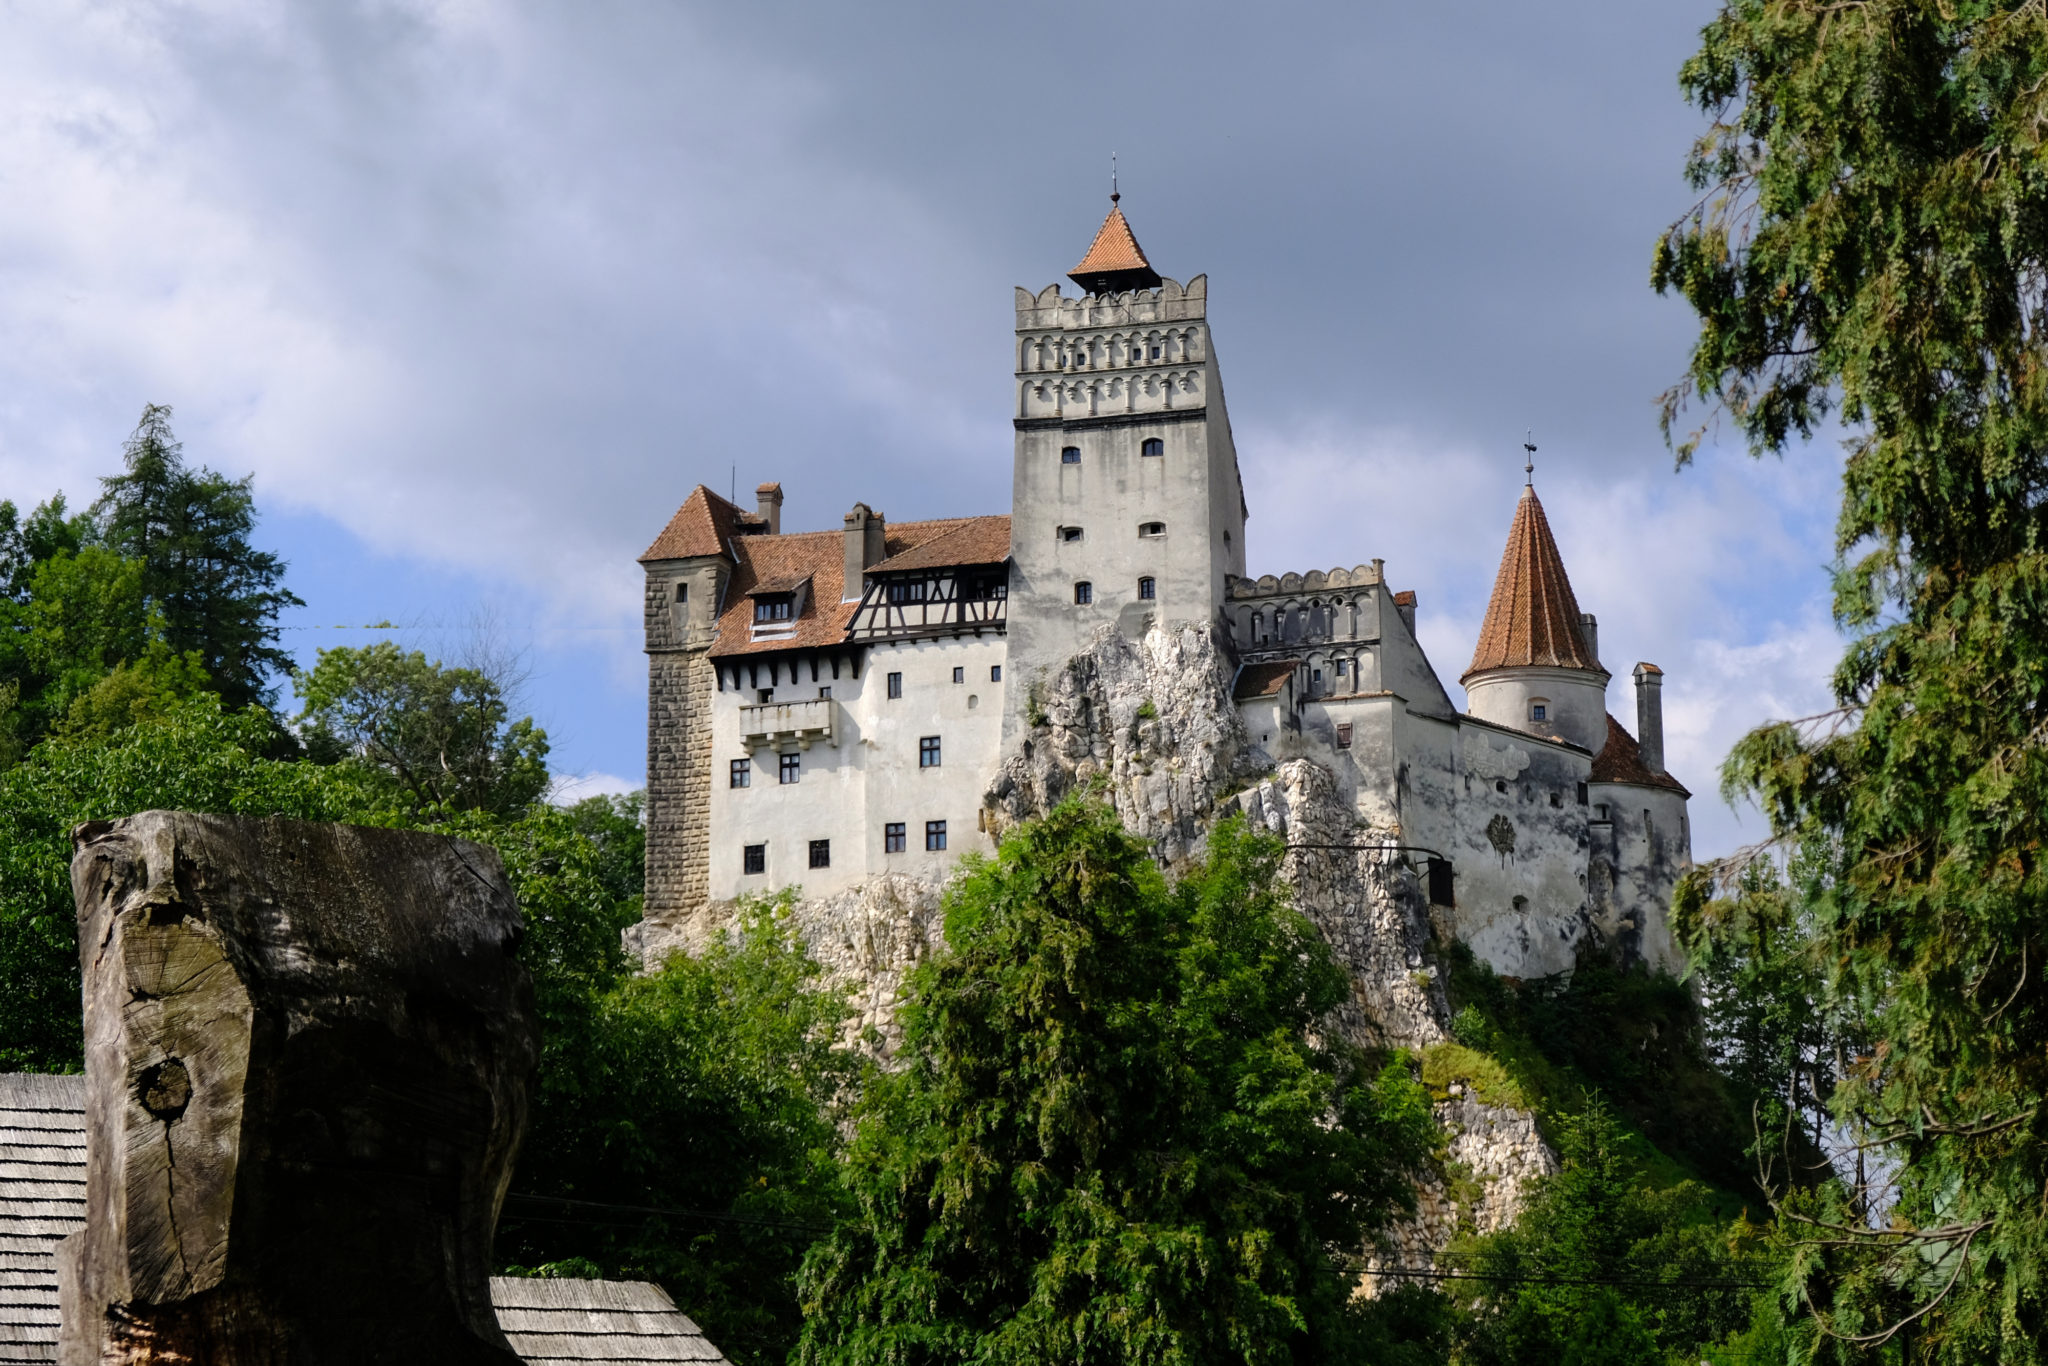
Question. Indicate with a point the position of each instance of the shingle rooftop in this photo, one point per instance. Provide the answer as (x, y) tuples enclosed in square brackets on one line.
[(1620, 760), (555, 1322), (820, 556), (703, 525), (1114, 260), (42, 1199), (1533, 618), (1264, 679)]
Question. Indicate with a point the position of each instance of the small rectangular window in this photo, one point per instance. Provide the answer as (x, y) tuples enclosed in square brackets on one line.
[(742, 773), (1343, 735), (1153, 445), (821, 853), (1155, 353), (1151, 528), (777, 608), (754, 859), (1340, 668), (1582, 794), (995, 673), (1538, 712), (1557, 799), (791, 768), (928, 752), (892, 837), (1070, 533), (1084, 593), (764, 695), (1148, 589), (1441, 886), (895, 685), (959, 675), (934, 836), (1600, 811), (825, 693), (1070, 455), (682, 592)]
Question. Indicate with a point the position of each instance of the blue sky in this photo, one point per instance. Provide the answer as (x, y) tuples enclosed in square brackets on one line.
[(479, 291)]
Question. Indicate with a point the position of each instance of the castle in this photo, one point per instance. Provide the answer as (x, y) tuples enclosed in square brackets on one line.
[(826, 707)]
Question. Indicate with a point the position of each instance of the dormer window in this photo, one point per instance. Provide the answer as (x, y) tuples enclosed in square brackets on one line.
[(1151, 528), (1539, 710), (1153, 446), (1070, 455), (908, 590), (775, 607)]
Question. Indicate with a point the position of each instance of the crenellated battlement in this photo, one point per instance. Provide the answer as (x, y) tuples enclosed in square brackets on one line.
[(1171, 302), (1315, 581)]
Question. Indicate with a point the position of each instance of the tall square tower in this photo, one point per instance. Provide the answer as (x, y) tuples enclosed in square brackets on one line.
[(1126, 502)]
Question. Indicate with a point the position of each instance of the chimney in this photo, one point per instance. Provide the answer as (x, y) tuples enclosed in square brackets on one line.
[(1404, 603), (1589, 631), (865, 533), (769, 502), (1650, 716)]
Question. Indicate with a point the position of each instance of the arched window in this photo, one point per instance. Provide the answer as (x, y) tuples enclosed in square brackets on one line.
[(1148, 589), (1153, 446), (1084, 593), (1539, 709), (1070, 455)]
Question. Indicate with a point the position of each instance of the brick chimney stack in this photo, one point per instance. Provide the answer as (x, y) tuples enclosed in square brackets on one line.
[(769, 502), (1650, 716)]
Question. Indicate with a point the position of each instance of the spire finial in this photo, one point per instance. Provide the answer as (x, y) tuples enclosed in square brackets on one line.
[(1529, 467), (1113, 195)]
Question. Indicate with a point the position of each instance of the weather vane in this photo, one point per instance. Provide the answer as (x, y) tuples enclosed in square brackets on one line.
[(1529, 468), (1113, 195)]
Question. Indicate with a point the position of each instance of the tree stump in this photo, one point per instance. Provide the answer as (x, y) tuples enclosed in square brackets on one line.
[(308, 1055)]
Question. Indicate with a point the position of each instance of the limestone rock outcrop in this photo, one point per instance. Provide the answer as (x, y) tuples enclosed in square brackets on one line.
[(1360, 889), (309, 1050), (1491, 1154), (1150, 719)]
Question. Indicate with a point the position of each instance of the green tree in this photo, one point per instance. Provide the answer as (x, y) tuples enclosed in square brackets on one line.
[(686, 1116), (1115, 1136), (1600, 1267), (438, 737), (218, 595), (1871, 249)]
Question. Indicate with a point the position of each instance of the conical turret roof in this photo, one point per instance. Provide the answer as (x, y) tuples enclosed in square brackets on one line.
[(1114, 261), (1533, 620)]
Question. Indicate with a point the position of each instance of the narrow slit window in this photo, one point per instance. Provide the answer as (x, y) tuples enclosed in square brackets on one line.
[(895, 685), (995, 673)]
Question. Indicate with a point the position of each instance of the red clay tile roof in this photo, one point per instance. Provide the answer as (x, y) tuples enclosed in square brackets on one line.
[(764, 563), (1114, 260), (1533, 618), (703, 525), (1265, 679), (1405, 598), (1620, 760), (975, 540)]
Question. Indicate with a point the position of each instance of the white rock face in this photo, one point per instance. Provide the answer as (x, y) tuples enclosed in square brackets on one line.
[(1366, 900), (1151, 719), (1491, 1154)]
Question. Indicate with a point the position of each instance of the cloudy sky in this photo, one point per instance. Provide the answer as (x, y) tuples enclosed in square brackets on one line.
[(479, 291)]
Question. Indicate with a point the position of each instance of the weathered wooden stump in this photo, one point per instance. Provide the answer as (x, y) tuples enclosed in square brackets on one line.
[(308, 1052)]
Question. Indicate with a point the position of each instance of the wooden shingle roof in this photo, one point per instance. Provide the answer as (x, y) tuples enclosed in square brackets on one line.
[(42, 1200), (1533, 617), (561, 1322)]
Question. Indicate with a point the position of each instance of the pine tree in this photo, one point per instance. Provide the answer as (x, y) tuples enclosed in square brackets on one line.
[(1872, 248), (218, 595)]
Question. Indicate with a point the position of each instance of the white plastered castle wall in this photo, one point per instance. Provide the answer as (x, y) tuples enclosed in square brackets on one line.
[(868, 775)]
